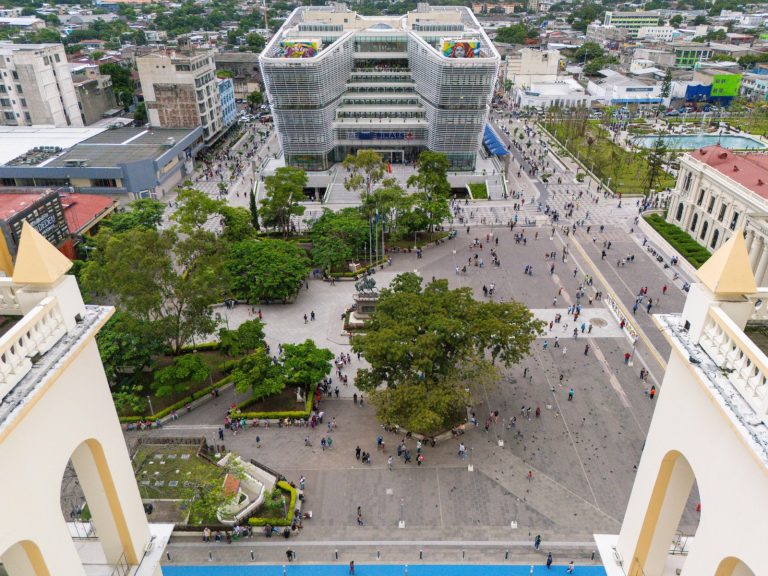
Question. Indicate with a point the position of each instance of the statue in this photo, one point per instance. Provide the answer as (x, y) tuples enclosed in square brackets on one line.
[(366, 286)]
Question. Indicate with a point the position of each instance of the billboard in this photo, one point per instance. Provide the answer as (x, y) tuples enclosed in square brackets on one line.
[(296, 48), (452, 48)]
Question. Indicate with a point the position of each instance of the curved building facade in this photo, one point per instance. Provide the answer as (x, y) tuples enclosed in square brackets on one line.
[(339, 82)]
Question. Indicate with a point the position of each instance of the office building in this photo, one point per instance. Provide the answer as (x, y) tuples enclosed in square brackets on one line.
[(632, 21), (615, 88), (227, 99), (56, 410), (339, 82), (181, 91), (36, 86), (244, 67), (690, 54)]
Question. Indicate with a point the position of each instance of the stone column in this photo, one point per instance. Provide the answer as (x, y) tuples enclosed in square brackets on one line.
[(755, 251), (749, 239), (762, 265)]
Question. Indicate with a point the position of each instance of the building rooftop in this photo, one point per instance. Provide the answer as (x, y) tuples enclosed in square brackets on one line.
[(80, 210), (121, 146), (750, 169), (16, 141)]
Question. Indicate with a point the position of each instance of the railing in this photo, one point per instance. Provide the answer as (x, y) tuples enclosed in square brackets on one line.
[(760, 301), (31, 337), (9, 305), (743, 364)]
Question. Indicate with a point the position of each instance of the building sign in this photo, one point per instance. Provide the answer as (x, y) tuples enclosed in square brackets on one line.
[(640, 89), (299, 48), (46, 216), (452, 48), (384, 135), (726, 85)]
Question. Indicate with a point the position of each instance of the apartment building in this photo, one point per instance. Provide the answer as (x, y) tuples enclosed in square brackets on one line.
[(95, 94), (632, 21), (36, 86), (181, 91)]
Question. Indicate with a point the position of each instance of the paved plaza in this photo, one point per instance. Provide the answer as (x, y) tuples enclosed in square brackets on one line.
[(566, 474)]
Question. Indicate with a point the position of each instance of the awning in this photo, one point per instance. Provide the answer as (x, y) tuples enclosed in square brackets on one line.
[(636, 101), (492, 142)]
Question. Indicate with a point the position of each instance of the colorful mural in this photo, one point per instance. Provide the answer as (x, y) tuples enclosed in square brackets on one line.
[(452, 48), (299, 48)]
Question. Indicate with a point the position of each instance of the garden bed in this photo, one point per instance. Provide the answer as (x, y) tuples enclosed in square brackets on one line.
[(479, 190), (680, 240)]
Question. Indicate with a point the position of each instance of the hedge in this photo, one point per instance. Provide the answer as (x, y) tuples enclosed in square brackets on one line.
[(287, 520), (179, 405), (276, 415), (680, 240)]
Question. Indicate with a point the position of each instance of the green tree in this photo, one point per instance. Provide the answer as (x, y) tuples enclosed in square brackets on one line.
[(254, 210), (259, 375), (516, 34), (284, 191), (699, 20), (676, 21), (338, 238), (126, 346), (141, 213), (255, 98), (159, 278), (266, 270), (588, 51), (176, 377), (655, 166), (140, 114), (195, 209), (255, 42), (305, 364), (245, 338), (390, 202), (433, 189), (366, 169), (435, 341)]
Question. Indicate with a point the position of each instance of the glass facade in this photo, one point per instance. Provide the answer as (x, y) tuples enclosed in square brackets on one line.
[(380, 85)]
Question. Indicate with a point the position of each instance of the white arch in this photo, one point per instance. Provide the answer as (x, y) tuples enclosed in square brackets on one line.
[(24, 559)]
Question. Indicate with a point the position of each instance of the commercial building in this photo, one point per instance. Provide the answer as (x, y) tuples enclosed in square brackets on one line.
[(719, 192), (244, 67), (36, 86), (632, 21), (657, 33), (615, 88), (55, 404), (122, 163), (339, 82), (227, 99), (527, 66), (180, 91), (95, 94), (708, 438), (690, 54), (564, 93), (606, 34)]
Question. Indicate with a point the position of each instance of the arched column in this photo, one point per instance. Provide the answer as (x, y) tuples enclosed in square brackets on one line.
[(51, 554), (733, 567), (670, 493)]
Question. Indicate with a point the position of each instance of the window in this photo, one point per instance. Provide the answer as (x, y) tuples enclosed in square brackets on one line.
[(18, 89), (104, 183), (687, 181), (711, 205), (715, 236), (704, 229), (701, 197), (721, 215), (734, 221), (15, 75), (679, 214), (56, 57), (694, 222)]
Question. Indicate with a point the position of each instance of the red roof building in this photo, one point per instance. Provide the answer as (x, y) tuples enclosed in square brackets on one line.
[(748, 169)]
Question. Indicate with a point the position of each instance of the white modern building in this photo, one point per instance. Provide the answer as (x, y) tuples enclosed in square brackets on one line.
[(181, 91), (616, 89), (565, 93), (339, 82), (658, 33), (36, 86), (56, 408), (719, 192), (528, 66)]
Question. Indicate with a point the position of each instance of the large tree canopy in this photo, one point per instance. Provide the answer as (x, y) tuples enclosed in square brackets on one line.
[(267, 269), (421, 341)]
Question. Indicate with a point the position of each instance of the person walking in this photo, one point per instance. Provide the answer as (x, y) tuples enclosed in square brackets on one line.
[(652, 394), (537, 542), (357, 453), (352, 567), (389, 462), (586, 350), (570, 568), (359, 516), (549, 560), (570, 394)]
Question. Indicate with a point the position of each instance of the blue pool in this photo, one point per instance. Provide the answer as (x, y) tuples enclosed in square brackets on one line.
[(701, 140), (381, 570)]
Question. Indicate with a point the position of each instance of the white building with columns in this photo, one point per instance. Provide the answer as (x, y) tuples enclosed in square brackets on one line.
[(55, 408), (719, 191), (709, 430)]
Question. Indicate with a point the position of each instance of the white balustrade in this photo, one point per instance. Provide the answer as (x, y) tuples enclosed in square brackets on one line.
[(9, 305), (760, 301), (743, 363), (32, 336)]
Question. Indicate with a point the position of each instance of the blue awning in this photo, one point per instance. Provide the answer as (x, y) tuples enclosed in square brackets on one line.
[(492, 142), (636, 101)]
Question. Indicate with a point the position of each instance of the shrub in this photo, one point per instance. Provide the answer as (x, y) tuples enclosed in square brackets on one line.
[(287, 520), (680, 240), (179, 405)]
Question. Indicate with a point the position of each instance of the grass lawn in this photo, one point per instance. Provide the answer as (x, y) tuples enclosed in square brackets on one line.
[(212, 358), (170, 472), (627, 170), (680, 240), (479, 190)]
